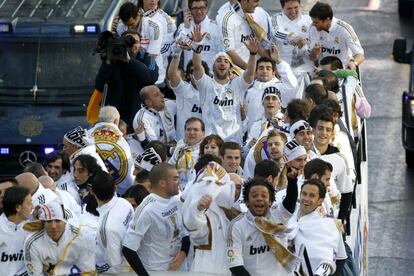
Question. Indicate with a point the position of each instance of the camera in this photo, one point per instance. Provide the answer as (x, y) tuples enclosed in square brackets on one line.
[(114, 47)]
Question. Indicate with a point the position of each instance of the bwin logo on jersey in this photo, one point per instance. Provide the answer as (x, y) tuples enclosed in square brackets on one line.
[(11, 257), (332, 51), (225, 102), (246, 37), (196, 109), (259, 250)]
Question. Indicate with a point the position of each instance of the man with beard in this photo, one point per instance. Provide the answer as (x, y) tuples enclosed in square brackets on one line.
[(222, 96)]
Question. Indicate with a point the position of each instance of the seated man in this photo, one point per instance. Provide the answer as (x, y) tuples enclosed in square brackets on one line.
[(252, 250), (57, 247), (17, 206)]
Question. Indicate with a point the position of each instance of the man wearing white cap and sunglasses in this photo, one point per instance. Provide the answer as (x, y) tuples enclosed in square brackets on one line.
[(56, 247)]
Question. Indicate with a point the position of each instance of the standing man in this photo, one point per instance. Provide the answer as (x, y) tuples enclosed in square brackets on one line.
[(330, 36), (115, 213), (156, 239), (17, 206), (221, 95), (113, 148), (197, 14), (187, 151), (56, 247), (252, 250)]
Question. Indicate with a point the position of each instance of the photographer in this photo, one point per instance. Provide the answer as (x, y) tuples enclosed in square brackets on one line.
[(123, 72)]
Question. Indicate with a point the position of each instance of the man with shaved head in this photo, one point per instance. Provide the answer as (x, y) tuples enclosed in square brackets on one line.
[(39, 194)]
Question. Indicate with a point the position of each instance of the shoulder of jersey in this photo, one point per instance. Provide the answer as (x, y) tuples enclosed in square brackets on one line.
[(347, 28)]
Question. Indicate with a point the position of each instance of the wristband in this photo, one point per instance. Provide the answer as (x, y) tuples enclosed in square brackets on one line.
[(197, 47), (253, 54)]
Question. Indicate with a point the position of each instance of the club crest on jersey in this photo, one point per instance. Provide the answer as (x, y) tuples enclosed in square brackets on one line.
[(113, 156), (226, 44), (304, 29), (336, 40)]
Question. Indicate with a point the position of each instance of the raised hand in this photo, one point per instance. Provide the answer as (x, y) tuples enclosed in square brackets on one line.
[(196, 34), (187, 18), (252, 45), (274, 53), (204, 202)]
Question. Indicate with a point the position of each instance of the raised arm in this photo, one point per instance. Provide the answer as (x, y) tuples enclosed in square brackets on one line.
[(197, 37), (173, 72), (253, 46)]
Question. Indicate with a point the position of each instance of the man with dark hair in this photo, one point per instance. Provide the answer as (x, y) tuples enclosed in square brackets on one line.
[(250, 251), (315, 94), (156, 239), (197, 14), (187, 151), (323, 128), (5, 183), (17, 206), (115, 213), (230, 152), (35, 168), (297, 109), (57, 165), (317, 233), (268, 170), (331, 36)]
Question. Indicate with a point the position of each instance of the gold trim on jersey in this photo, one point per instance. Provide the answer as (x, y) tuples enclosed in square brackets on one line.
[(349, 29)]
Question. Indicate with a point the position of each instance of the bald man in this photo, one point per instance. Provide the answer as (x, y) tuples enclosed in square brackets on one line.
[(40, 195), (67, 199)]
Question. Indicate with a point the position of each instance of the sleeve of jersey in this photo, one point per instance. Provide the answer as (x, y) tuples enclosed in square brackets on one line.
[(234, 246), (156, 37), (279, 214), (149, 131), (286, 75), (352, 40), (88, 242), (344, 181), (31, 256), (121, 28), (180, 89), (313, 38), (195, 222), (137, 228), (227, 33)]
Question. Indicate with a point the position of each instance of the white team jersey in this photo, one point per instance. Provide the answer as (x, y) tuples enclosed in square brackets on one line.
[(188, 105), (42, 196), (221, 107), (284, 31), (74, 253), (156, 231), (341, 173), (151, 41), (235, 30), (69, 202), (221, 12), (114, 219), (67, 183), (247, 247), (155, 123), (12, 238), (114, 150), (184, 159), (341, 41), (286, 85), (168, 28), (212, 43), (321, 238)]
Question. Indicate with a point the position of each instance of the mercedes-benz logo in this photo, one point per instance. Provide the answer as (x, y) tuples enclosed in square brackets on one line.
[(26, 157)]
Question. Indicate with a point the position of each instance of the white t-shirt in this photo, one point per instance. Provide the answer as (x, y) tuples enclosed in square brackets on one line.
[(156, 231), (40, 250), (188, 105), (12, 238), (247, 247), (284, 31), (221, 107), (235, 31), (114, 219), (341, 41), (151, 41), (212, 43)]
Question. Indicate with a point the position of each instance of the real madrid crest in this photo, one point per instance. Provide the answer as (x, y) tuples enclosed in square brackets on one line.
[(337, 40), (31, 126), (208, 36), (229, 91)]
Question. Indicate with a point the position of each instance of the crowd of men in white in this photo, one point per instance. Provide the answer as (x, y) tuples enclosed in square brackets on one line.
[(249, 171)]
